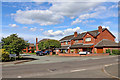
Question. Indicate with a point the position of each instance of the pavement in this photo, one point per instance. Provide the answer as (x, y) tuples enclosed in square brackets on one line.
[(112, 70), (62, 67)]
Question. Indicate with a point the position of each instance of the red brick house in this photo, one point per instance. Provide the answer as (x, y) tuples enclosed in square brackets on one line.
[(96, 41), (28, 49)]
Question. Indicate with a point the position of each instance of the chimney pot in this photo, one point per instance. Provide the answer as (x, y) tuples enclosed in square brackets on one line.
[(100, 29), (75, 34)]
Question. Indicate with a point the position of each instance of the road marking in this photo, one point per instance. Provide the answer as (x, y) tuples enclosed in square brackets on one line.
[(77, 70), (19, 76), (108, 73), (108, 65)]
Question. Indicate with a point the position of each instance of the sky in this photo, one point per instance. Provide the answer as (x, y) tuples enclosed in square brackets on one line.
[(54, 20)]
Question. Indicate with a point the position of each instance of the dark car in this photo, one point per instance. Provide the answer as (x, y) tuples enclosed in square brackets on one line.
[(46, 52), (39, 53)]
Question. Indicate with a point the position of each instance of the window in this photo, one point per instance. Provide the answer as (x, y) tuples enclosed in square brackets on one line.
[(88, 39), (66, 42), (76, 41)]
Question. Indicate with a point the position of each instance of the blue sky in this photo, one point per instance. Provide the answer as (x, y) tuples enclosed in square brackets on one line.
[(55, 20)]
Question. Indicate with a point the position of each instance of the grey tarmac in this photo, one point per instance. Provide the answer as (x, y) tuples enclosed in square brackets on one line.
[(89, 68)]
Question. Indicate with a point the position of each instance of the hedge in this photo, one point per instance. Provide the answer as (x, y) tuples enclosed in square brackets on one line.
[(116, 52), (32, 50)]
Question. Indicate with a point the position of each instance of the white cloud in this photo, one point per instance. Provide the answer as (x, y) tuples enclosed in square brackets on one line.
[(72, 9), (99, 8), (42, 17), (68, 31), (113, 6), (50, 33), (55, 14), (61, 26), (25, 27), (76, 21), (82, 21), (33, 29), (41, 29), (106, 27), (99, 12), (117, 35), (13, 25)]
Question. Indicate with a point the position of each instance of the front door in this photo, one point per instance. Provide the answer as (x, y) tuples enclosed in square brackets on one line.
[(87, 49)]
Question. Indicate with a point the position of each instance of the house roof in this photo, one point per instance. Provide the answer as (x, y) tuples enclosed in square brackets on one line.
[(80, 36), (93, 33), (31, 45), (107, 43), (67, 38), (81, 45)]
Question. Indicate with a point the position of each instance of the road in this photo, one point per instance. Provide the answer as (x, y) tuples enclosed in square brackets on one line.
[(89, 68)]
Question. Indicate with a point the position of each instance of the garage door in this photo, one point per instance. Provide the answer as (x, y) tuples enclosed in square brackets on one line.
[(99, 50)]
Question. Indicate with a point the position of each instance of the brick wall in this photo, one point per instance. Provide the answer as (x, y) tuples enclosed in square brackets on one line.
[(104, 35), (88, 35)]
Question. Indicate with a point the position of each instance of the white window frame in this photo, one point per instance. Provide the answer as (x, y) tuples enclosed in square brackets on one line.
[(66, 42), (88, 39), (76, 41)]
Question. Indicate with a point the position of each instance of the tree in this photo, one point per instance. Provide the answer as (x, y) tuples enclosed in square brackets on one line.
[(49, 44), (14, 44), (4, 56)]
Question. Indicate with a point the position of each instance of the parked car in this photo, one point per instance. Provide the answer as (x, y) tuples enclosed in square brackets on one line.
[(84, 52), (39, 53), (46, 52)]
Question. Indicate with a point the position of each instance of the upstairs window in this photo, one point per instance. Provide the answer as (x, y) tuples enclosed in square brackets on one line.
[(76, 41), (66, 42), (88, 39)]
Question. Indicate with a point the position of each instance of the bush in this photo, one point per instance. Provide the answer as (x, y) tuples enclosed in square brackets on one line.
[(32, 50), (116, 52), (63, 51), (72, 50), (4, 56), (107, 50), (24, 50)]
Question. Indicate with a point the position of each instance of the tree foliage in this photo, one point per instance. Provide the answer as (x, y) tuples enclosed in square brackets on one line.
[(13, 44), (4, 56), (49, 44)]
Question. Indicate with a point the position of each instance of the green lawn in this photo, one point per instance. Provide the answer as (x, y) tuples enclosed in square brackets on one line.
[(32, 53)]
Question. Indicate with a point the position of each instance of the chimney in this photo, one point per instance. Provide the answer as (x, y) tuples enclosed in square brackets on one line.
[(100, 29), (36, 40), (75, 34), (36, 44)]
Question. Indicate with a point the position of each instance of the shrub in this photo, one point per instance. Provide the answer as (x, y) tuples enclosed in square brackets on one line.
[(107, 50), (72, 50), (32, 50), (24, 50), (63, 51), (4, 56), (116, 52), (94, 52)]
